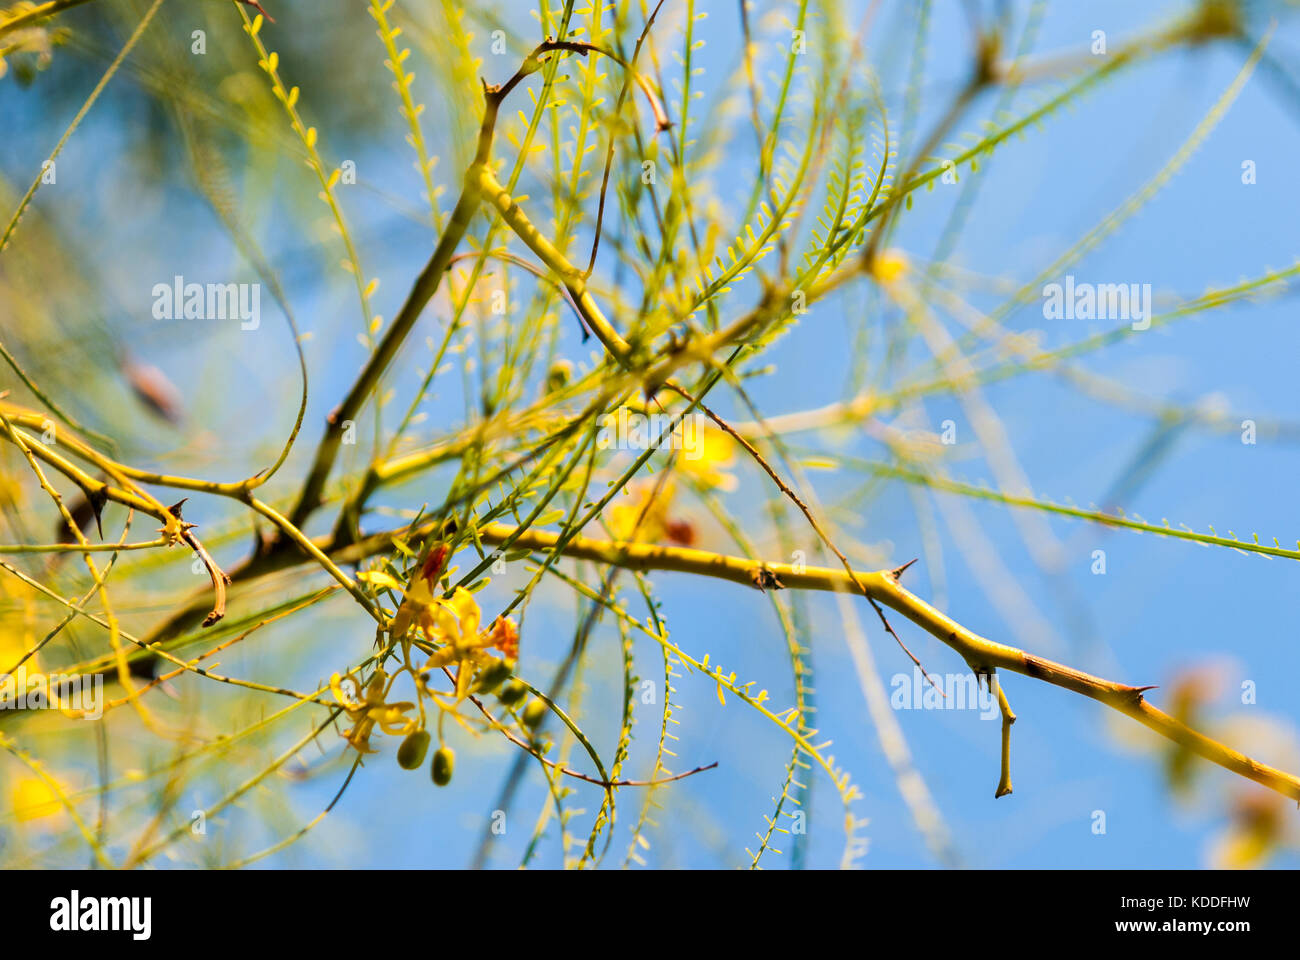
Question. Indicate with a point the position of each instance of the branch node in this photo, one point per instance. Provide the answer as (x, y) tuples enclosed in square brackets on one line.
[(765, 579)]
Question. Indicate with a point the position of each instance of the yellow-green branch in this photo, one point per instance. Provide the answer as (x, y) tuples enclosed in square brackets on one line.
[(983, 655)]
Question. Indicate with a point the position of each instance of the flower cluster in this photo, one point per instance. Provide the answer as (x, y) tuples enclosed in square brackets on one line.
[(646, 514), (453, 626), (371, 708)]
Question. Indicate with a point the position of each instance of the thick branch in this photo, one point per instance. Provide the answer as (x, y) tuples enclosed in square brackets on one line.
[(983, 655)]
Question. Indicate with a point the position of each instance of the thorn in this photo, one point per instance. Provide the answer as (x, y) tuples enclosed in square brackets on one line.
[(898, 571), (97, 501), (256, 5)]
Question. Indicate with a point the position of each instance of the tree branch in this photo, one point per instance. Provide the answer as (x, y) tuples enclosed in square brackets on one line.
[(984, 656)]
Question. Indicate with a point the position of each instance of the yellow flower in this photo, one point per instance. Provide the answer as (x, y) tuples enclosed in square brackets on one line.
[(15, 630), (705, 450), (417, 609), (505, 637), (456, 627), (642, 514), (1256, 832), (889, 266), (33, 799), (371, 709)]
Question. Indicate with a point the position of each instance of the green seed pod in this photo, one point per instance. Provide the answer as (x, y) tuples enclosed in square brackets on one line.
[(444, 762), (410, 755), (492, 676), (534, 713), (512, 693)]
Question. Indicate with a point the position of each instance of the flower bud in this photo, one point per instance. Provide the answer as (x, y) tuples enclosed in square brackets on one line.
[(410, 755), (559, 375), (512, 693), (444, 762), (492, 676), (534, 713)]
